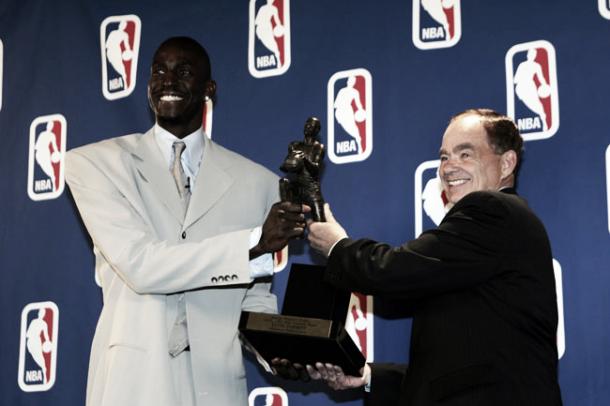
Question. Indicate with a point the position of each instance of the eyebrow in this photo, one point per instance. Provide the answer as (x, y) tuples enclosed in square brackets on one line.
[(459, 147)]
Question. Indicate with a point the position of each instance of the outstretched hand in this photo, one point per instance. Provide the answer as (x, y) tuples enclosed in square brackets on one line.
[(288, 370), (333, 375), (336, 379), (323, 235), (284, 222)]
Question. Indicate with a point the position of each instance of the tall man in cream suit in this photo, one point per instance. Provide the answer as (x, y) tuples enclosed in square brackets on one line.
[(177, 261)]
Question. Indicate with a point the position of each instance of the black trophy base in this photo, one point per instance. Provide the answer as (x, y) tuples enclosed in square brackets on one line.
[(302, 340), (310, 328)]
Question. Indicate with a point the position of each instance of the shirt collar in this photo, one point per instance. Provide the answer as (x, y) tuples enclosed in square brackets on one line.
[(191, 157)]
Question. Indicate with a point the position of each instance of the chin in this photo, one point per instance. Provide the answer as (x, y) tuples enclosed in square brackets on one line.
[(168, 114), (453, 198)]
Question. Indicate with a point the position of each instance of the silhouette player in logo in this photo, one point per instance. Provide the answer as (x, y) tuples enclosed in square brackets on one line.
[(345, 113), (118, 51), (36, 345), (268, 28), (47, 152), (526, 88)]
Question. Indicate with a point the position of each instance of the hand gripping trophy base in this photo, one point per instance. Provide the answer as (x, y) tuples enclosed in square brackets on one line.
[(303, 191)]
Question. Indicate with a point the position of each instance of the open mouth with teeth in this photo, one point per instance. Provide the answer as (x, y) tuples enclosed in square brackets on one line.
[(457, 182), (170, 98)]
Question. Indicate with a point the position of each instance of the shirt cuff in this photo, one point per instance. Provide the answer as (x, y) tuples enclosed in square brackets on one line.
[(330, 251), (262, 265)]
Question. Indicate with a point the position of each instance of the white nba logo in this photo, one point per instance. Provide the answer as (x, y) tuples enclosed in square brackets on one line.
[(38, 346), (280, 260), (608, 183), (268, 396), (436, 23), (531, 89), (350, 116), (120, 44), (269, 38), (604, 9), (359, 323), (208, 113), (1, 68), (430, 203), (46, 158), (561, 335)]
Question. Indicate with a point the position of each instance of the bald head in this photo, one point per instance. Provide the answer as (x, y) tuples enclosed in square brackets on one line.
[(194, 48)]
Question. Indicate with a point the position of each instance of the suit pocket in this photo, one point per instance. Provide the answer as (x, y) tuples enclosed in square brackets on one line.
[(124, 365), (462, 381)]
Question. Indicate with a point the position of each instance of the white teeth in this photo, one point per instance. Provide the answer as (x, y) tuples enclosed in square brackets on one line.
[(170, 98), (456, 182)]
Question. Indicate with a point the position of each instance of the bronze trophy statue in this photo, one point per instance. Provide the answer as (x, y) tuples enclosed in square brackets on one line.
[(303, 165), (311, 325)]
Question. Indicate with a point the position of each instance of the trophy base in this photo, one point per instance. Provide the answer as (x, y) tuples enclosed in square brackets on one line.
[(302, 340)]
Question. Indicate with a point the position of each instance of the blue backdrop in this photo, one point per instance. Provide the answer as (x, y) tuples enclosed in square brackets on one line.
[(384, 77)]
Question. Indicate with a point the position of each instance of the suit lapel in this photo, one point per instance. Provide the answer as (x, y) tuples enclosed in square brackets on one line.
[(212, 183), (149, 162)]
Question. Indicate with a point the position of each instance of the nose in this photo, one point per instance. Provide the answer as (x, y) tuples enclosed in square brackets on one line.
[(169, 78), (448, 166)]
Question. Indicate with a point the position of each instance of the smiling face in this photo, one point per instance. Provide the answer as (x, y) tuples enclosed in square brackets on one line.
[(179, 81), (468, 161)]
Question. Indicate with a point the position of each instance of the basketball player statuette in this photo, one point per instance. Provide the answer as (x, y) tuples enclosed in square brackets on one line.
[(303, 165)]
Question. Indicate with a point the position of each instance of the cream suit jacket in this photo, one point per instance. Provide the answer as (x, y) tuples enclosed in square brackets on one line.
[(147, 250)]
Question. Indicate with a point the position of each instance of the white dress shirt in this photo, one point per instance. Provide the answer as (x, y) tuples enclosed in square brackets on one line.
[(191, 161)]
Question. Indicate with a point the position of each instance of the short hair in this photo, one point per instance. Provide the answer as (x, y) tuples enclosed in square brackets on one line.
[(193, 45), (502, 133)]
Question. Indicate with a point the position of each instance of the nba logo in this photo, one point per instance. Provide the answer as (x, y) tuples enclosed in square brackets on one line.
[(604, 9), (1, 65), (208, 112), (280, 260), (269, 38), (436, 23), (561, 335), (350, 116), (431, 204), (120, 44), (608, 183), (46, 160), (359, 323), (268, 396), (531, 89), (38, 346)]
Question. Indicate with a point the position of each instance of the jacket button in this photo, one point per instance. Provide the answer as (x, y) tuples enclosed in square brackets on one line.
[(184, 235)]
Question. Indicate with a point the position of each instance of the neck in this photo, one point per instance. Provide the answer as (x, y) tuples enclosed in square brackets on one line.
[(179, 128), (508, 182)]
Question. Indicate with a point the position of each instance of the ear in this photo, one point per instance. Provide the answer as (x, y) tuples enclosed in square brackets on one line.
[(210, 89), (508, 162)]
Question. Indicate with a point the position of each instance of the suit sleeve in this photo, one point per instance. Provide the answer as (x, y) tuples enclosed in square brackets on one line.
[(386, 380), (466, 249), (258, 296), (128, 243)]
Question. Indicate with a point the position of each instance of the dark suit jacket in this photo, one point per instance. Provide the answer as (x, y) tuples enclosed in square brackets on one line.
[(485, 317)]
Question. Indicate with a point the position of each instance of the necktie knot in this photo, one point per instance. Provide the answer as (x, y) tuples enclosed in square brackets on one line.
[(178, 149)]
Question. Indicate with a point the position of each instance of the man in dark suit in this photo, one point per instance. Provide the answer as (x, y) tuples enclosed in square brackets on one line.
[(482, 284)]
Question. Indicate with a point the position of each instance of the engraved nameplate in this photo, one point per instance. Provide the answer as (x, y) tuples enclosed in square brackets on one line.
[(303, 326)]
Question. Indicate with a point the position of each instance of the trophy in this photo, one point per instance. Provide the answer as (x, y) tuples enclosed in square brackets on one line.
[(310, 328)]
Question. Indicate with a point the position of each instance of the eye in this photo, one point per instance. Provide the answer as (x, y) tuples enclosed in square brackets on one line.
[(157, 70), (465, 155), (443, 158), (184, 72)]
